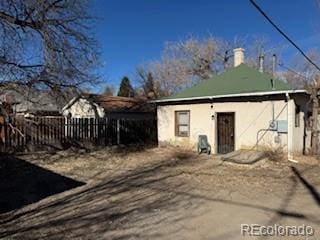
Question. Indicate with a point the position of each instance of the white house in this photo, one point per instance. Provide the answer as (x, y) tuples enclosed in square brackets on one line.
[(241, 108), (99, 106), (93, 116)]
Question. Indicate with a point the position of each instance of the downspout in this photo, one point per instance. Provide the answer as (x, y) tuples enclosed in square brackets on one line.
[(289, 138), (274, 61), (288, 98), (212, 127)]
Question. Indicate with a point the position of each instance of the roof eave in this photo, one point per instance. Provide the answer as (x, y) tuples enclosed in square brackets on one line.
[(229, 95), (70, 103)]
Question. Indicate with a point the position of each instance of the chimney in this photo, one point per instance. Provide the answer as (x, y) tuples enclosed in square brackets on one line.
[(238, 56), (261, 63)]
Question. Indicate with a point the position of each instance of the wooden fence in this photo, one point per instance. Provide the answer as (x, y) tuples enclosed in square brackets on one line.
[(45, 131)]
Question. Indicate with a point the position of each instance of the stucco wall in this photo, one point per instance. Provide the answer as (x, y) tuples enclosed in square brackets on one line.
[(82, 108), (298, 135), (200, 123), (301, 135), (250, 118)]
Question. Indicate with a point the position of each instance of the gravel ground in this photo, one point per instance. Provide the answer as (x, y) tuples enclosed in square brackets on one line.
[(156, 193)]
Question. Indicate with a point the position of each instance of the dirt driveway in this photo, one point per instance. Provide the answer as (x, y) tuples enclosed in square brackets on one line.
[(159, 193)]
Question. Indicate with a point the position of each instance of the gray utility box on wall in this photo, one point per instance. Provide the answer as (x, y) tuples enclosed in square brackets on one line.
[(281, 126)]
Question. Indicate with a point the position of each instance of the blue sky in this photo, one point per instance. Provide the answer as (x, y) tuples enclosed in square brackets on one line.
[(131, 32)]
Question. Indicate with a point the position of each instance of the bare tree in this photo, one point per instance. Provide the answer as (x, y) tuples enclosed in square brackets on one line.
[(301, 73), (256, 47), (314, 89), (185, 63), (46, 44), (148, 87)]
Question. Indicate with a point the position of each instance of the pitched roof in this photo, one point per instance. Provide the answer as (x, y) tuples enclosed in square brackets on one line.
[(116, 103), (238, 80)]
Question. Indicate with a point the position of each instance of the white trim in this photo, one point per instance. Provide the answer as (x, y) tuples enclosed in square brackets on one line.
[(65, 110), (231, 95), (70, 103)]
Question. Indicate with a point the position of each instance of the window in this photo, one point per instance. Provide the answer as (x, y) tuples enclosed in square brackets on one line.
[(182, 123), (297, 117)]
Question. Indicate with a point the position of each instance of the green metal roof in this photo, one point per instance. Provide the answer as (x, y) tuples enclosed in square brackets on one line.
[(241, 79)]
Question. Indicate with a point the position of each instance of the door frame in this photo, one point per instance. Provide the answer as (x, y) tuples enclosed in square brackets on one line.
[(217, 130)]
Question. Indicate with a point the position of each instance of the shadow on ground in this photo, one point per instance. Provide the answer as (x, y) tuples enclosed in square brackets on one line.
[(124, 204), (23, 183), (312, 189), (143, 203)]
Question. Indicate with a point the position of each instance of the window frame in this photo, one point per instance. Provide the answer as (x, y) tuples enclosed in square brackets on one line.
[(176, 123)]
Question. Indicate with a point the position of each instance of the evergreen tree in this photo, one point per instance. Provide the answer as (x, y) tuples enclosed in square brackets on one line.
[(148, 87), (125, 90)]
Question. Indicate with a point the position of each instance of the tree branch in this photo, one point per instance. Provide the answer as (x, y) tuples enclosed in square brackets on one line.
[(36, 25)]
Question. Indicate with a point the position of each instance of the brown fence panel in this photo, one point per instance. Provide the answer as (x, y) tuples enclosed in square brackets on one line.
[(45, 131)]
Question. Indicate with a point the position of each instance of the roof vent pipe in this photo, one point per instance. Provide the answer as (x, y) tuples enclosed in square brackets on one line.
[(238, 56), (274, 64), (261, 62)]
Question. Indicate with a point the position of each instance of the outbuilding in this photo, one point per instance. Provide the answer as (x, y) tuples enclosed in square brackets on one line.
[(241, 108)]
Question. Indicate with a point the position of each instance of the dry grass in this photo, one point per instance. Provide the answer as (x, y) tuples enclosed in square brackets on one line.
[(307, 159), (161, 193), (275, 155)]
